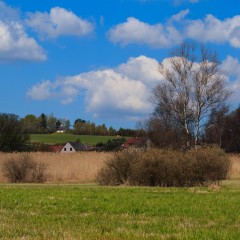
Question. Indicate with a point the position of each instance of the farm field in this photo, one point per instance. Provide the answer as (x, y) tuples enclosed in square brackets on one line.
[(63, 138), (93, 212), (64, 208)]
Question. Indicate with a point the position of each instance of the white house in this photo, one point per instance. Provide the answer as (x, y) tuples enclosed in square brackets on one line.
[(74, 147), (61, 130)]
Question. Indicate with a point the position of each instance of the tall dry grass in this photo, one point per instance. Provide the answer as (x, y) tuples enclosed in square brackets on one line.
[(83, 166), (235, 166), (65, 167)]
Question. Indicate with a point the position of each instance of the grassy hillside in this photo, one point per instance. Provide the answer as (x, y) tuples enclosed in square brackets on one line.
[(92, 212), (63, 138)]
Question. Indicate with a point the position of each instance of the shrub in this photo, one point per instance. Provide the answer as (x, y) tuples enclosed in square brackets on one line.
[(166, 168), (24, 170), (158, 168), (209, 164), (118, 168), (111, 145)]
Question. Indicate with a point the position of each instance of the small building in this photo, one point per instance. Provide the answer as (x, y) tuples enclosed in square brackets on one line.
[(134, 142), (61, 129), (56, 148), (74, 147)]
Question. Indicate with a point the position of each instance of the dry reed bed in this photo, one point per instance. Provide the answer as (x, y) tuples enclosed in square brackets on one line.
[(65, 167), (235, 166), (83, 166)]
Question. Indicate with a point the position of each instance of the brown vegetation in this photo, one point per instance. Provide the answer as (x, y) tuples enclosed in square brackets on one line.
[(64, 168), (23, 169), (235, 166), (166, 168), (83, 166)]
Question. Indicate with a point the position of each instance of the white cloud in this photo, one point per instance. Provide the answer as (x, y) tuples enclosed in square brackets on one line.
[(231, 67), (212, 29), (41, 90), (7, 12), (177, 29), (16, 45), (58, 22), (178, 2), (179, 16), (124, 90), (136, 31)]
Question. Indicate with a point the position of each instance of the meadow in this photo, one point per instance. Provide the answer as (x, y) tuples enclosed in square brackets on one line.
[(58, 138), (91, 212), (64, 208)]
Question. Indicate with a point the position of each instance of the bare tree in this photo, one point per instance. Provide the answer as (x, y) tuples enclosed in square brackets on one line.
[(215, 126), (192, 86)]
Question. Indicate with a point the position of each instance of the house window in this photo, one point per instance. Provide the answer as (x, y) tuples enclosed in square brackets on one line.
[(70, 149), (65, 149)]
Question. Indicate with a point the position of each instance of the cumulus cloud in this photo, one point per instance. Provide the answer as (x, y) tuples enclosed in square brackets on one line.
[(15, 43), (7, 12), (58, 22), (212, 29), (124, 90), (176, 29), (42, 90), (136, 31), (231, 67)]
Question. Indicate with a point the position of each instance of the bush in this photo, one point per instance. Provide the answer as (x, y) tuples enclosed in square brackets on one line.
[(24, 170), (166, 168), (118, 168), (111, 145), (159, 168), (209, 164)]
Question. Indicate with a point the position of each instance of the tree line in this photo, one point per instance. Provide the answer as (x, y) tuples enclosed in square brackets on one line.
[(49, 124), (43, 124), (222, 129), (14, 131)]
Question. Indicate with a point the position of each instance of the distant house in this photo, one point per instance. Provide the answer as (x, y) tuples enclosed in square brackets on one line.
[(61, 129), (74, 147), (135, 142), (56, 148)]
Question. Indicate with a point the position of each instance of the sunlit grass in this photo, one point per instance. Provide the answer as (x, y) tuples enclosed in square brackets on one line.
[(57, 138), (92, 212)]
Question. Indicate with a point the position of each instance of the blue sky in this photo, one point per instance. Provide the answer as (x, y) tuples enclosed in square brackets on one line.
[(97, 59)]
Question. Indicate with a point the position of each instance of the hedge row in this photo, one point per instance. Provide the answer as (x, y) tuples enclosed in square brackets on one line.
[(165, 168)]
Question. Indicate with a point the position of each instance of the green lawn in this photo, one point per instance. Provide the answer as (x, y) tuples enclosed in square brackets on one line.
[(63, 138), (113, 213)]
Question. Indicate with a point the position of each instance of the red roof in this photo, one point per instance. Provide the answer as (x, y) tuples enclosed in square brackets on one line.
[(133, 142), (56, 148)]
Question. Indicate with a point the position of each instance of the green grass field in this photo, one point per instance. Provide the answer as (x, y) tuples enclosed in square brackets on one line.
[(63, 138), (91, 212)]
